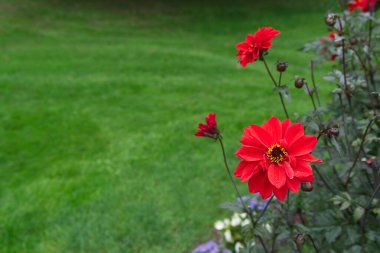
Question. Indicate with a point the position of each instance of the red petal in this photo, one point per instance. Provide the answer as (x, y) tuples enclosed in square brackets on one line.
[(309, 158), (250, 39), (248, 139), (249, 153), (255, 54), (211, 120), (261, 135), (281, 193), (288, 170), (265, 34), (242, 46), (294, 184), (285, 126), (240, 168), (276, 176), (303, 169), (303, 146), (266, 45), (293, 133), (308, 179), (249, 171), (274, 127), (260, 183)]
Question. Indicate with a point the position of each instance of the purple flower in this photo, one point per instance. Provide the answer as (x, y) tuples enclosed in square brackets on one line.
[(208, 247), (254, 203)]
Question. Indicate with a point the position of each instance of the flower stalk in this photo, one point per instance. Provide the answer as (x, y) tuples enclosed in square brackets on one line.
[(245, 208), (262, 58)]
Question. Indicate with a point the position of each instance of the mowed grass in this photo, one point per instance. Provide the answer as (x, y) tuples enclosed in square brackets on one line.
[(99, 103)]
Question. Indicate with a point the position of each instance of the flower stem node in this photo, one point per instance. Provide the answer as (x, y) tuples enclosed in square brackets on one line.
[(299, 82), (281, 66), (307, 186)]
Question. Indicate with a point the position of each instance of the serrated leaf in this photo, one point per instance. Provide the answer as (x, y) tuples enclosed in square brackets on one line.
[(247, 232), (332, 234)]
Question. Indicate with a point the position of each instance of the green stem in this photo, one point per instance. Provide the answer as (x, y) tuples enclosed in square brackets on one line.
[(359, 152), (263, 212), (313, 81), (311, 96), (276, 85), (312, 241), (238, 193)]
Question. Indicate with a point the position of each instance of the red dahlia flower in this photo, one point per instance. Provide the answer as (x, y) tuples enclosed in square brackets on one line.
[(363, 5), (209, 129), (275, 158), (254, 45)]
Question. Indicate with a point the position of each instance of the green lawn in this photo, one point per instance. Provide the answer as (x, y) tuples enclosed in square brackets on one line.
[(99, 103)]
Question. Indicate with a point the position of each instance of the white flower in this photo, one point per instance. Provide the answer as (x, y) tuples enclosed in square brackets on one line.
[(235, 220), (219, 225), (227, 222), (243, 215), (238, 247), (228, 236), (245, 222)]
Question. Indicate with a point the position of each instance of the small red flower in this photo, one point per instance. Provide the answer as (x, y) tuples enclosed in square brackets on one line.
[(363, 5), (255, 44), (209, 129), (275, 158)]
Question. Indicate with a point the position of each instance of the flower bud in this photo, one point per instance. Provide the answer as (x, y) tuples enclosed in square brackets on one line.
[(330, 19), (333, 131), (282, 66), (307, 186), (298, 239), (353, 41), (299, 82)]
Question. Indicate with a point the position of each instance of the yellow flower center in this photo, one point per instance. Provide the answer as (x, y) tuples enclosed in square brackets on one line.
[(276, 153)]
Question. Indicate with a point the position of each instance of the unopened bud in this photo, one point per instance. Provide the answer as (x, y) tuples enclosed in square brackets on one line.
[(299, 82), (282, 66), (307, 186), (298, 239), (330, 19), (353, 41), (333, 131)]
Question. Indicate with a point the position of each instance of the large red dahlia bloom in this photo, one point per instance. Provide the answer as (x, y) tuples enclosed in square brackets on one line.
[(363, 5), (275, 158), (250, 49), (209, 129)]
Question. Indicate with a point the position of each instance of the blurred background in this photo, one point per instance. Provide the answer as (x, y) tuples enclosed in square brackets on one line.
[(99, 101)]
